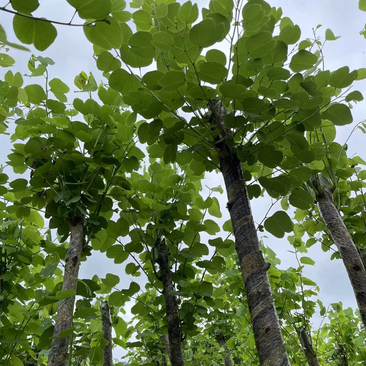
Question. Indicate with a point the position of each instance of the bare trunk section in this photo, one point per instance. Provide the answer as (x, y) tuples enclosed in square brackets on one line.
[(174, 333), (266, 328), (342, 357), (343, 240), (307, 345), (165, 341), (59, 347), (107, 333), (222, 342)]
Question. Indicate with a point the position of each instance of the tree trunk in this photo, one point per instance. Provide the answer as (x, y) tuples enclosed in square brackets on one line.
[(107, 333), (222, 342), (307, 345), (343, 240), (266, 328), (59, 347), (165, 341), (342, 357), (174, 333)]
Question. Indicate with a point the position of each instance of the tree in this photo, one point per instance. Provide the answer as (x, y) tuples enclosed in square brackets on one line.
[(249, 114)]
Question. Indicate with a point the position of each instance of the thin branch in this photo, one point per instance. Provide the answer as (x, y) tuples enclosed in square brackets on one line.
[(2, 8)]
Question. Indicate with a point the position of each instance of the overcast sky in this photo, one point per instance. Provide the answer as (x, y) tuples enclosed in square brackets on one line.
[(72, 54)]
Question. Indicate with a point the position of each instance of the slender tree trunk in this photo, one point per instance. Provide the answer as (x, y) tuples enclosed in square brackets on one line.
[(59, 347), (107, 333), (307, 345), (165, 341), (174, 333), (342, 357), (222, 342), (266, 328), (343, 240)]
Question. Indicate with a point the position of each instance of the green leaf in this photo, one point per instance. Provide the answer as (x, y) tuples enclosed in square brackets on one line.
[(259, 44), (270, 157), (140, 43), (278, 73), (301, 199), (253, 14), (212, 72), (170, 154), (290, 34), (301, 174), (140, 309), (279, 53), (329, 35), (188, 13), (117, 253), (118, 79), (48, 271), (235, 91), (342, 78), (116, 299), (308, 282), (214, 209), (35, 93), (15, 361), (133, 289), (19, 184), (149, 132), (85, 313), (105, 35), (106, 62), (361, 74), (31, 31), (223, 7), (206, 33), (355, 95), (33, 145), (362, 5), (92, 9), (278, 224), (133, 59), (142, 19), (25, 7), (339, 114), (14, 79), (3, 178), (307, 260), (163, 41), (216, 56), (206, 288), (172, 80), (303, 60), (211, 227), (6, 60), (111, 280), (123, 227)]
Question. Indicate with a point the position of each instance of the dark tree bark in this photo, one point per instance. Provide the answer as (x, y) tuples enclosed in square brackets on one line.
[(343, 240), (107, 333), (59, 347), (174, 332), (342, 357), (266, 328), (222, 342), (307, 346)]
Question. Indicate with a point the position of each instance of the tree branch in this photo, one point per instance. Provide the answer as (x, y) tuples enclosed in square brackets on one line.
[(2, 8)]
